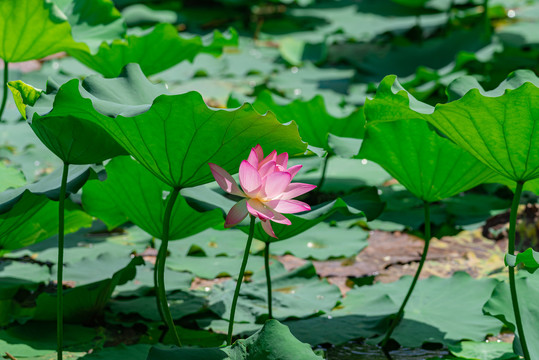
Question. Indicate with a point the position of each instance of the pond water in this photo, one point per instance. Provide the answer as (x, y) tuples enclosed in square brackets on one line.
[(359, 351)]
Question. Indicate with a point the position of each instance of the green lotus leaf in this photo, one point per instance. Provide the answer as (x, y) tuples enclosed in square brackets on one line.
[(49, 185), (500, 306), (179, 134), (94, 281), (483, 350), (62, 117), (181, 304), (10, 177), (367, 199), (440, 310), (132, 193), (313, 119), (15, 277), (319, 243), (411, 3), (34, 218), (528, 258), (260, 345), (32, 29), (304, 221), (427, 164), (38, 338), (213, 267), (92, 21), (499, 127), (299, 293), (155, 50)]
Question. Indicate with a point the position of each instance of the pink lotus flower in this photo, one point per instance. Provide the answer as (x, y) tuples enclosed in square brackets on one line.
[(267, 189)]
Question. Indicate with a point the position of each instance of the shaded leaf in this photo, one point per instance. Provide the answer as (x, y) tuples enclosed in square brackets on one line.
[(314, 121), (295, 294), (323, 242), (92, 21), (11, 177), (49, 185), (34, 218), (39, 338), (440, 310), (155, 50), (212, 267), (260, 345), (483, 350), (500, 306), (94, 285), (132, 193)]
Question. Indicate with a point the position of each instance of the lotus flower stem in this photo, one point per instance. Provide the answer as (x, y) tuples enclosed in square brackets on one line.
[(160, 268), (60, 266), (240, 279), (4, 89), (156, 286), (268, 279), (512, 285), (324, 169), (400, 313)]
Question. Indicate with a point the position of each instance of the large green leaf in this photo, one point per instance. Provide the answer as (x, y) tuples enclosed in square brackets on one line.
[(366, 199), (10, 177), (323, 242), (62, 117), (296, 294), (14, 277), (49, 185), (34, 218), (498, 127), (484, 350), (39, 338), (305, 221), (212, 267), (273, 342), (440, 310), (427, 164), (94, 281), (181, 304), (314, 121), (132, 193), (500, 306), (175, 137), (92, 21), (155, 50), (32, 29)]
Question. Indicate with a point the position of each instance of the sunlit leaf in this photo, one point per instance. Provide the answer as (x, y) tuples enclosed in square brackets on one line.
[(427, 164), (33, 29), (498, 127), (528, 258)]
